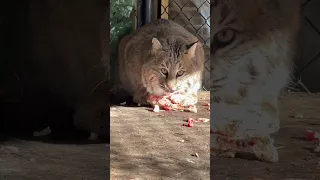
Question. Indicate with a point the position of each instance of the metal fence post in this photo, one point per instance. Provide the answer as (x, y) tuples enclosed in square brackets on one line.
[(146, 14), (149, 11)]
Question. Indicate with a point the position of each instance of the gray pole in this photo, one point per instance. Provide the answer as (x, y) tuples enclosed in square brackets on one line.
[(148, 11)]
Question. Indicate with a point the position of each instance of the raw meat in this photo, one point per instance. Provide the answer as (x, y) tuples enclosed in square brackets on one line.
[(173, 101)]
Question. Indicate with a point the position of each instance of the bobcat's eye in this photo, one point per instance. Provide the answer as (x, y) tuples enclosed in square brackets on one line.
[(164, 71), (180, 73), (224, 37)]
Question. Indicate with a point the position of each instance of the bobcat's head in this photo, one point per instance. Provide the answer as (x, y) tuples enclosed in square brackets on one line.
[(173, 65)]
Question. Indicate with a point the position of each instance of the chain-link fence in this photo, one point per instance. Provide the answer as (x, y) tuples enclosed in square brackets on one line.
[(127, 15), (308, 61), (194, 15)]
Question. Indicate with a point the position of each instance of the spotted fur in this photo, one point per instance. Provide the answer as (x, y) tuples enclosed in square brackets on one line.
[(159, 58)]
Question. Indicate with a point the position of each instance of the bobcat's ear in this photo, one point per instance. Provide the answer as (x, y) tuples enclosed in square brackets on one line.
[(192, 49), (156, 45)]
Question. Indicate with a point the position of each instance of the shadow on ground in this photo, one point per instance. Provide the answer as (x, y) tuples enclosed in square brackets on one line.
[(145, 144), (64, 154)]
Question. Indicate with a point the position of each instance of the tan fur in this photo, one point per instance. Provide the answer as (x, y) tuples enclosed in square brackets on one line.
[(155, 46), (252, 69)]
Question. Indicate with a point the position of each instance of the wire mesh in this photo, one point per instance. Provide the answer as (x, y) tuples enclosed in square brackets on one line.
[(194, 15), (307, 61)]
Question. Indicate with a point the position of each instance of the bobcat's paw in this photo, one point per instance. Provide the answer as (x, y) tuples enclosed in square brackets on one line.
[(93, 137), (265, 150), (46, 131), (141, 99), (220, 148), (222, 153), (141, 102), (184, 99)]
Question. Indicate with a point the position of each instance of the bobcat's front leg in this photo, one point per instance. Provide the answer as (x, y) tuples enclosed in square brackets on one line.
[(220, 149), (141, 96), (186, 99), (238, 128), (190, 99), (91, 116)]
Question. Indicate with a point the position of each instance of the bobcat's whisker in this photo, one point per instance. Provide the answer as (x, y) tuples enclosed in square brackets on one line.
[(103, 81), (96, 67)]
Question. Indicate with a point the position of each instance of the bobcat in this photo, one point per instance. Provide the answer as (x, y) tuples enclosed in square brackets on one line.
[(159, 58), (252, 43)]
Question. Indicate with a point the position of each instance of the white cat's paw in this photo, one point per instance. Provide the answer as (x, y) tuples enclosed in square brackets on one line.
[(93, 136)]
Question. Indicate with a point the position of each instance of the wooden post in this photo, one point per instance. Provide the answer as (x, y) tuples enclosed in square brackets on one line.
[(134, 14), (165, 9), (155, 9)]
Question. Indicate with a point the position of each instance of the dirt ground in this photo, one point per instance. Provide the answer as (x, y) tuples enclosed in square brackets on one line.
[(64, 154), (145, 145), (300, 111), (32, 160), (148, 145)]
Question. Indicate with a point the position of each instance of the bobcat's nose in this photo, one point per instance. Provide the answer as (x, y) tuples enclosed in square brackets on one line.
[(171, 87)]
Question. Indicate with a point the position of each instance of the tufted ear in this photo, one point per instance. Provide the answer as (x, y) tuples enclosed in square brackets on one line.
[(192, 49), (156, 45)]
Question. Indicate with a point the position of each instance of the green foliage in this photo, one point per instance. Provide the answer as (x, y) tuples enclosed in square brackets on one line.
[(120, 25)]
